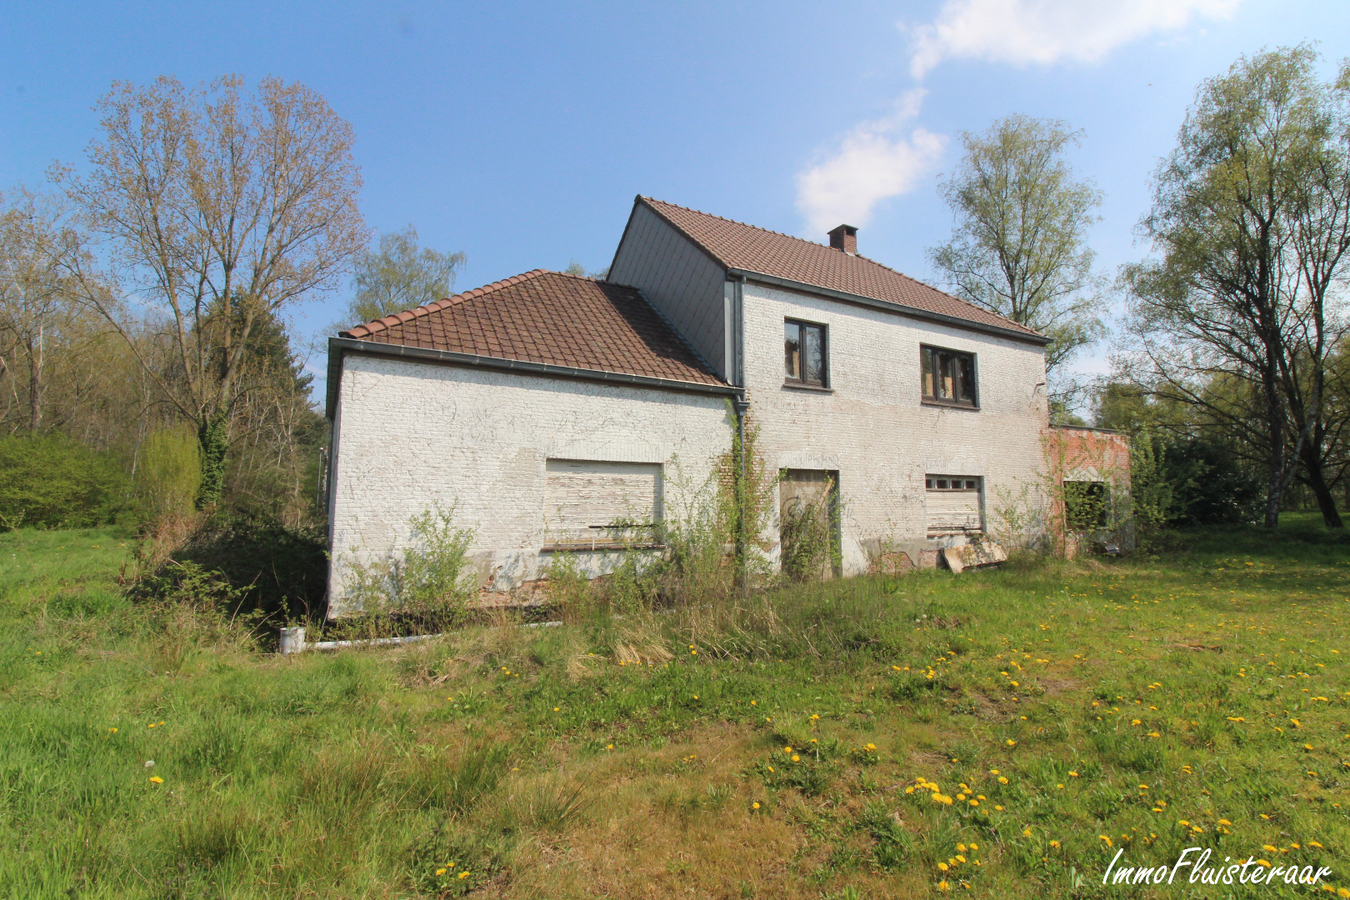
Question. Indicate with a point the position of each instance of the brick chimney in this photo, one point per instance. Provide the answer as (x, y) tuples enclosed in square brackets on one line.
[(845, 238)]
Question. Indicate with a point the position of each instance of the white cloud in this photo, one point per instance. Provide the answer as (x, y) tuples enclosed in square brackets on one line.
[(1046, 31), (876, 160)]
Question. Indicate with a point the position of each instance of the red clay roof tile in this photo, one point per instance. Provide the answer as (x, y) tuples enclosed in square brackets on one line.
[(547, 317), (736, 245)]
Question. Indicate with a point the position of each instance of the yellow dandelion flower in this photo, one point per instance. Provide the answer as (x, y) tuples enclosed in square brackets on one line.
[(960, 848), (755, 805), (974, 846), (998, 808), (960, 858), (1003, 779), (112, 731), (943, 885), (1073, 774), (1011, 743), (1054, 843), (1105, 839), (464, 874), (796, 758), (1026, 832), (440, 872), (943, 867), (155, 779)]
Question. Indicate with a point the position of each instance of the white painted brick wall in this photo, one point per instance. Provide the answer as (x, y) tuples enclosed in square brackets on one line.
[(873, 428), (414, 433)]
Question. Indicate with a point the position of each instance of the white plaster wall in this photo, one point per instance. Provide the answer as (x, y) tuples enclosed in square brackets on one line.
[(412, 434), (873, 428)]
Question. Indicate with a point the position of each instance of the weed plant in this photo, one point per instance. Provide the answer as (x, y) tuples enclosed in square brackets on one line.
[(1001, 733)]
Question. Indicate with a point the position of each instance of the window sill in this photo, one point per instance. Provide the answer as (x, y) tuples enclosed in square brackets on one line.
[(941, 405), (800, 386)]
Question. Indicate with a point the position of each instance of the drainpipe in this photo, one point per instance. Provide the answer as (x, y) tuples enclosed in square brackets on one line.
[(742, 405)]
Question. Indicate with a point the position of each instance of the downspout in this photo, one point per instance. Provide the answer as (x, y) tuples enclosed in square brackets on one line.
[(742, 405)]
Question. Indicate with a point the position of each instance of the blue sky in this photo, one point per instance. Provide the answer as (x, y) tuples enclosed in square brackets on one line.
[(519, 133)]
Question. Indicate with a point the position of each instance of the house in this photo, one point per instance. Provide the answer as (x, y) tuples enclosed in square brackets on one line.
[(549, 409)]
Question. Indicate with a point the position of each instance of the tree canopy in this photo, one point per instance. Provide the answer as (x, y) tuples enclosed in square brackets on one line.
[(210, 196), (1251, 222), (1019, 247), (399, 275)]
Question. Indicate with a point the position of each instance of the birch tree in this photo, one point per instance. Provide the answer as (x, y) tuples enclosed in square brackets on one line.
[(1251, 222)]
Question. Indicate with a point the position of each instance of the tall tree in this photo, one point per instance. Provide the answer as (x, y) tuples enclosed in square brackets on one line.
[(42, 322), (1251, 218), (399, 276), (1019, 247), (215, 195)]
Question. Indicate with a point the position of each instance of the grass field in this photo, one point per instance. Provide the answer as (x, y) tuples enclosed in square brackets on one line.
[(999, 734)]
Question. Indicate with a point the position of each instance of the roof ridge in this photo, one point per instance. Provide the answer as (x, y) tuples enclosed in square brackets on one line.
[(386, 322), (868, 259)]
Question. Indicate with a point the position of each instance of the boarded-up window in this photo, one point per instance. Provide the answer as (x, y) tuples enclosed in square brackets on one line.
[(953, 504), (601, 504)]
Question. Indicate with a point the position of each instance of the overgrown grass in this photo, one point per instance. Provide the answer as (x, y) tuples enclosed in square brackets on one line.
[(1066, 710)]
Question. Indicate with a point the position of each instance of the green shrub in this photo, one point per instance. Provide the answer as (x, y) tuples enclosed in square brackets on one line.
[(430, 581), (50, 481), (168, 472), (280, 572)]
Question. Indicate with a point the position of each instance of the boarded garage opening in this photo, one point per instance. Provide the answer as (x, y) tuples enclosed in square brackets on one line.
[(954, 504), (602, 505), (808, 523)]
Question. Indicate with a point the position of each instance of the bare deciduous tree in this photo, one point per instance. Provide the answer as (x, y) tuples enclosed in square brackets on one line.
[(211, 199)]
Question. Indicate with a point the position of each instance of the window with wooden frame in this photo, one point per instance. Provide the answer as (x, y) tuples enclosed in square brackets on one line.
[(948, 377), (804, 354)]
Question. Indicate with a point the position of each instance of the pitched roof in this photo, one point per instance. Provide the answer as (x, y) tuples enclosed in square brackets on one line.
[(549, 318), (736, 245)]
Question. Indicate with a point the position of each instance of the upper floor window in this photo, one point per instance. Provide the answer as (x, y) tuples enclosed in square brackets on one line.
[(948, 376), (804, 360)]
